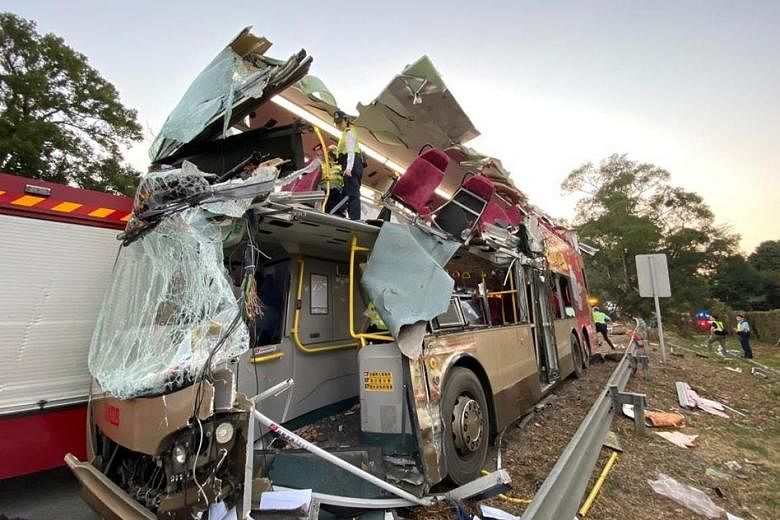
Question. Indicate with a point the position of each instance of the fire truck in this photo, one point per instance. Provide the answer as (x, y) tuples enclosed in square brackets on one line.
[(58, 248)]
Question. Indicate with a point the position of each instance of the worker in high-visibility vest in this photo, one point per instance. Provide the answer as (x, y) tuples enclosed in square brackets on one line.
[(350, 158), (717, 333), (601, 319), (743, 332)]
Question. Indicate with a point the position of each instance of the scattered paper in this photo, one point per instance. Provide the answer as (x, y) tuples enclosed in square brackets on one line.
[(707, 405), (498, 514), (289, 500), (678, 438), (219, 511)]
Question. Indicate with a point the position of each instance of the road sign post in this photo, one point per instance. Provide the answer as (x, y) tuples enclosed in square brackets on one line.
[(653, 276)]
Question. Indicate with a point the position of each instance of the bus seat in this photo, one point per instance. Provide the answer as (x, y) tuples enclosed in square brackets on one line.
[(514, 215), (418, 183), (437, 158), (480, 186), (460, 215), (495, 215), (307, 182)]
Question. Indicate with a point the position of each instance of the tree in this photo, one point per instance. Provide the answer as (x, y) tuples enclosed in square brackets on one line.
[(630, 208), (766, 257), (60, 121), (740, 285)]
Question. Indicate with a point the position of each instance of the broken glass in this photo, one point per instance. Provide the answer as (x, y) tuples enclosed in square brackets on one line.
[(236, 78)]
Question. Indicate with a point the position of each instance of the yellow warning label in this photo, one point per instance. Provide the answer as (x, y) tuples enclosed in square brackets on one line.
[(378, 381)]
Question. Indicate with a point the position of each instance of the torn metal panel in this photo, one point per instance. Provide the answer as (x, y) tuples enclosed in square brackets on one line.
[(408, 261), (237, 80), (317, 93), (146, 422), (415, 109)]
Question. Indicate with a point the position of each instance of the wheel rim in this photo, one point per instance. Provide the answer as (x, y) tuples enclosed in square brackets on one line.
[(467, 427)]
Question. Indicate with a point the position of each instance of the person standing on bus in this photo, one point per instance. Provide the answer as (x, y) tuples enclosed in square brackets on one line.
[(717, 333), (351, 160), (601, 319), (743, 331)]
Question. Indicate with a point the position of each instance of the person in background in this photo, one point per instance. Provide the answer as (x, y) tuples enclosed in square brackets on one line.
[(350, 158), (743, 331), (717, 333), (601, 319)]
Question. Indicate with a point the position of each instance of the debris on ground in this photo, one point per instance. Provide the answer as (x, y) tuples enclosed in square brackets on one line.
[(715, 472), (694, 499), (690, 398), (680, 439), (495, 513), (661, 419)]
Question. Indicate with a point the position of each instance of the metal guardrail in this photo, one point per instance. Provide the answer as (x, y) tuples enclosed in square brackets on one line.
[(562, 492)]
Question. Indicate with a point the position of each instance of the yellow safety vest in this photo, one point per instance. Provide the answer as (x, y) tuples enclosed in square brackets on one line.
[(341, 148), (599, 317), (718, 326)]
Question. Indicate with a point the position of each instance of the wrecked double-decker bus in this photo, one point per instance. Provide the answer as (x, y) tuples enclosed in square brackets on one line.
[(239, 309)]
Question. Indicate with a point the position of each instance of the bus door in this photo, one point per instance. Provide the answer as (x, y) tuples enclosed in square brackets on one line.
[(544, 331)]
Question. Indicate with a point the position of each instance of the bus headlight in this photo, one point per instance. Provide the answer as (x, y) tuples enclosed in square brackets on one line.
[(179, 454), (224, 433)]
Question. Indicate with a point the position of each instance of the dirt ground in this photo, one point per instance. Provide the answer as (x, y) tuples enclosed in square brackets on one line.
[(531, 447)]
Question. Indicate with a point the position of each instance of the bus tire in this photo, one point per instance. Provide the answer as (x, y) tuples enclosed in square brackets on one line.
[(576, 357), (465, 417)]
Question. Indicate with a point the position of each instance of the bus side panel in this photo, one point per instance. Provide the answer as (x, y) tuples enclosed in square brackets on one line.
[(563, 330), (507, 356)]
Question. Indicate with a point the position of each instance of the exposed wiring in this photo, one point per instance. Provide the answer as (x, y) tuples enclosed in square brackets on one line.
[(195, 464)]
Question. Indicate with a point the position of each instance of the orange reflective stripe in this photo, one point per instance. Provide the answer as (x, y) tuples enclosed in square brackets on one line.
[(27, 200), (101, 212), (66, 207)]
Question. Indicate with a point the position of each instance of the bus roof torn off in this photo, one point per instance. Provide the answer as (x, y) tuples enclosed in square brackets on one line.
[(445, 314)]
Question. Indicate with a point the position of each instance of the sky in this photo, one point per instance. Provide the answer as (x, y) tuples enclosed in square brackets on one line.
[(693, 87)]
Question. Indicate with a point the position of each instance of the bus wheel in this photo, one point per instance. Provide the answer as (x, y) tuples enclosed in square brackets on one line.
[(576, 357), (464, 413)]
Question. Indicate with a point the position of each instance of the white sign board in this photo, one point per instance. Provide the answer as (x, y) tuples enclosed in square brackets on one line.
[(653, 275)]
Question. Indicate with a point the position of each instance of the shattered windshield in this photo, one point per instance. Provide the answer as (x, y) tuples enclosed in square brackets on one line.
[(169, 304)]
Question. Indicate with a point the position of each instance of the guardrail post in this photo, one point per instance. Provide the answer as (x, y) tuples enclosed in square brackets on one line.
[(638, 401), (645, 362), (635, 361)]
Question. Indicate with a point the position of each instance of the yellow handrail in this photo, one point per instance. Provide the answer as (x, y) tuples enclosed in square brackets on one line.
[(500, 294), (362, 336), (267, 357), (294, 332), (326, 161)]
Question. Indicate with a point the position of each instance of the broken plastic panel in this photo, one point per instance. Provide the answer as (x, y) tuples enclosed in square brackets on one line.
[(407, 260), (169, 304)]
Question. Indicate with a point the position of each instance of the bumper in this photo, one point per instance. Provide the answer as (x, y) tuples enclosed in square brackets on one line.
[(105, 497)]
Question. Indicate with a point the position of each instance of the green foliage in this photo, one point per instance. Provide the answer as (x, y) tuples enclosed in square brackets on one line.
[(752, 284), (60, 120), (630, 208), (766, 257)]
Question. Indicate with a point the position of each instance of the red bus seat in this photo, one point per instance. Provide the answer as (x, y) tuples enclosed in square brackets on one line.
[(418, 183)]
